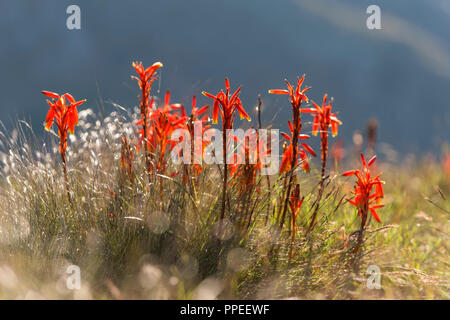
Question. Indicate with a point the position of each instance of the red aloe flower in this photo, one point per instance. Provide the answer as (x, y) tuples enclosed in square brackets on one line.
[(364, 199), (297, 96), (226, 104), (287, 162), (162, 123), (145, 79), (65, 114), (323, 119), (291, 153)]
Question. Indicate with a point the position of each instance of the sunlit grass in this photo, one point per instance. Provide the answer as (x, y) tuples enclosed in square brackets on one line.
[(129, 245)]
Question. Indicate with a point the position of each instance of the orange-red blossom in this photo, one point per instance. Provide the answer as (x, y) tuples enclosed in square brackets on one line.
[(63, 110), (145, 79), (226, 105), (364, 199), (323, 118), (287, 161), (161, 123), (296, 97), (293, 151)]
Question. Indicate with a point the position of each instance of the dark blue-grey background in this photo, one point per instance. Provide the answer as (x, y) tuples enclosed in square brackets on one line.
[(400, 75)]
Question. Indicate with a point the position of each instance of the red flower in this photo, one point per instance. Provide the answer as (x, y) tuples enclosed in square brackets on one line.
[(297, 96), (227, 104), (293, 151), (323, 118), (364, 199), (146, 77), (161, 122), (287, 161), (65, 114), (145, 80)]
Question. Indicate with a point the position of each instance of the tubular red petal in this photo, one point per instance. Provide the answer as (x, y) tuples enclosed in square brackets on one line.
[(49, 119), (216, 111), (242, 112), (167, 98), (151, 70), (316, 106), (363, 160), (76, 104), (290, 126), (349, 173), (305, 165), (69, 97), (235, 95), (278, 91), (286, 136), (201, 110), (334, 129), (206, 94), (308, 110), (286, 160), (71, 122), (291, 90), (300, 81), (375, 215), (50, 94), (372, 160), (325, 96), (309, 149), (315, 126), (227, 85)]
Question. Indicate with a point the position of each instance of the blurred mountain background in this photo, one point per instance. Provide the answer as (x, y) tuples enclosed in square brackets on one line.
[(399, 75)]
